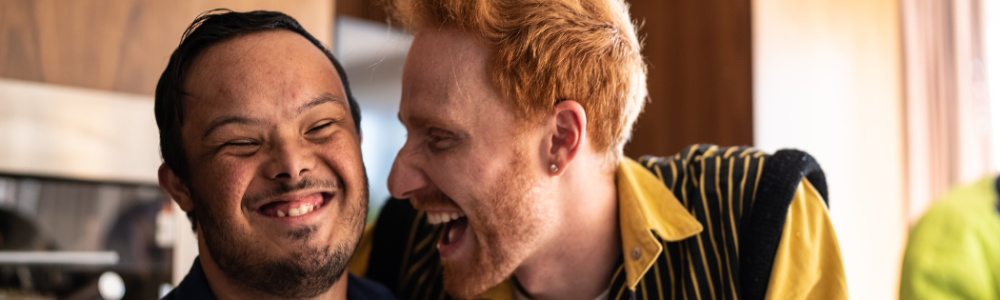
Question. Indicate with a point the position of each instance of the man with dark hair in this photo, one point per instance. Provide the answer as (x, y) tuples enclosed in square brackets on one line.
[(261, 142)]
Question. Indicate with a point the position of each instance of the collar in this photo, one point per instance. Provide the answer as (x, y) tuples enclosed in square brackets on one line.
[(194, 285), (645, 206)]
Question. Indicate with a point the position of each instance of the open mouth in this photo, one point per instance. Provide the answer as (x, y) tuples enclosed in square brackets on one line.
[(455, 225), (297, 207)]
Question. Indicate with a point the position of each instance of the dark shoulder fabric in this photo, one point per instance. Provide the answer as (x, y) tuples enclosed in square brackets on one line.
[(764, 225), (194, 286), (718, 186), (404, 257), (363, 289), (997, 190), (727, 189)]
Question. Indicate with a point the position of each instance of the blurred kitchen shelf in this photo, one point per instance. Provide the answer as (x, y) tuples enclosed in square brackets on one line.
[(59, 258)]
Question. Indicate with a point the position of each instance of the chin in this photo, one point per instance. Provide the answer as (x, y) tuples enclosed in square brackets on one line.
[(463, 282), (488, 259)]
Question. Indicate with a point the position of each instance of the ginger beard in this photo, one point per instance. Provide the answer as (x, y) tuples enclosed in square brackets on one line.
[(507, 226), (305, 274)]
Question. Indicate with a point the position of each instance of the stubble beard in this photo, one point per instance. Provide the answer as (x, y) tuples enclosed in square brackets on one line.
[(305, 274), (507, 232)]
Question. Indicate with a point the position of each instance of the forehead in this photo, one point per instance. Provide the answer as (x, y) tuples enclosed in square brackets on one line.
[(445, 77), (263, 68)]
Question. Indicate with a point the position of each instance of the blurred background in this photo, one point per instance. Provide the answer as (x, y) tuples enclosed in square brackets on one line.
[(899, 100)]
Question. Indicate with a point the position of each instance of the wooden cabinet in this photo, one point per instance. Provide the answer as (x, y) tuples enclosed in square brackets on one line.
[(119, 45)]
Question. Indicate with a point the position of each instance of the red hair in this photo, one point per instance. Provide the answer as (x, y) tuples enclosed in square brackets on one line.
[(546, 51)]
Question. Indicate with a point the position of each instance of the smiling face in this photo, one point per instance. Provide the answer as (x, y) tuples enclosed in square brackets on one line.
[(276, 176), (469, 163)]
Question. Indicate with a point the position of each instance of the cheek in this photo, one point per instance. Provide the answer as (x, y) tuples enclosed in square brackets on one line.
[(469, 181), (224, 180), (344, 160)]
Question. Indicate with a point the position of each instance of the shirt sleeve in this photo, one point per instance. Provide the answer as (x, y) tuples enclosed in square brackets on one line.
[(808, 264)]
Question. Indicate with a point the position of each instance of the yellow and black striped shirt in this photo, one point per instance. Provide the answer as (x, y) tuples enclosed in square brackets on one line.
[(707, 223)]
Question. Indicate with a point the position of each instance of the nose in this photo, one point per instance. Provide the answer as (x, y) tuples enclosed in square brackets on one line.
[(290, 162), (406, 179)]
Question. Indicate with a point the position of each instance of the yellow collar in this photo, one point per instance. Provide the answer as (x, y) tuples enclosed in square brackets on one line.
[(645, 205)]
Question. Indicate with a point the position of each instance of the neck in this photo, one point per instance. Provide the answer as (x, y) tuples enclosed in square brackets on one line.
[(225, 288), (579, 260)]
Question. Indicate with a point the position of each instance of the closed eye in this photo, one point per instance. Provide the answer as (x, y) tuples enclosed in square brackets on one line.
[(439, 139), (320, 127), (240, 147), (240, 143)]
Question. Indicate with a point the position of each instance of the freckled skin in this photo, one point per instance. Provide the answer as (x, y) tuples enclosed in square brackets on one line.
[(269, 76), (462, 144), (468, 150)]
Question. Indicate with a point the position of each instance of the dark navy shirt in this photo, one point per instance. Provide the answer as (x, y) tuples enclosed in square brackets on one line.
[(195, 286)]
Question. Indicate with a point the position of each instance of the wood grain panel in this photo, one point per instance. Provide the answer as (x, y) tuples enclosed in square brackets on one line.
[(372, 10), (700, 75), (120, 45)]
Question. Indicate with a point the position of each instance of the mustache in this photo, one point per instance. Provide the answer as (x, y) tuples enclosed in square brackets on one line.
[(434, 198), (284, 188)]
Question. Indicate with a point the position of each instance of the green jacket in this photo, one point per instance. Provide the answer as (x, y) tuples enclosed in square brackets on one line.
[(954, 250)]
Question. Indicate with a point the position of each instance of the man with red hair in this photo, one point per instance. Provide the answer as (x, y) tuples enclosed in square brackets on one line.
[(517, 113)]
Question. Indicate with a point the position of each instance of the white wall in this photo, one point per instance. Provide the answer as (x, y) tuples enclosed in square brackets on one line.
[(827, 80), (373, 55)]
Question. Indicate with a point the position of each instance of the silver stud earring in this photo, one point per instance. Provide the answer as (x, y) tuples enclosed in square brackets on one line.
[(554, 168)]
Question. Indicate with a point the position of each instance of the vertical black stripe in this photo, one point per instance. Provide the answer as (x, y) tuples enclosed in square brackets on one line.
[(406, 257), (715, 186)]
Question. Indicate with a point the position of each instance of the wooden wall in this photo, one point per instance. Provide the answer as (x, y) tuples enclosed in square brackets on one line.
[(700, 75), (372, 10), (119, 45)]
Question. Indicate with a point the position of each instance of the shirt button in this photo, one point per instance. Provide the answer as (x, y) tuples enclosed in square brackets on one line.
[(636, 253)]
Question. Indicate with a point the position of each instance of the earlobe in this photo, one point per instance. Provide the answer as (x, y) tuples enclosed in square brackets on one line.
[(174, 186)]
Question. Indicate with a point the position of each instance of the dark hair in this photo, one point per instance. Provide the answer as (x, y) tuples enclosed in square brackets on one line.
[(210, 28)]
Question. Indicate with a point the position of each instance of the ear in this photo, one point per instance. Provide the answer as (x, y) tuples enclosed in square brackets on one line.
[(175, 187), (568, 134)]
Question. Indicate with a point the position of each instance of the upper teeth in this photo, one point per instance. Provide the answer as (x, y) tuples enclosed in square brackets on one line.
[(297, 211), (443, 217)]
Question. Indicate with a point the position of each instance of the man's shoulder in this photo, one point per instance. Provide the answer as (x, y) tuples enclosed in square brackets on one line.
[(730, 172), (743, 197), (704, 159), (393, 243), (194, 285), (741, 174), (363, 289)]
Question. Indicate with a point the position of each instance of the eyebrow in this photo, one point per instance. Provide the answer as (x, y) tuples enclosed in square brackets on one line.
[(244, 120), (425, 122), (226, 120)]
